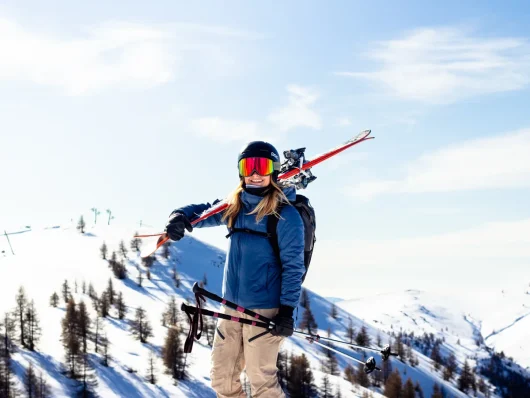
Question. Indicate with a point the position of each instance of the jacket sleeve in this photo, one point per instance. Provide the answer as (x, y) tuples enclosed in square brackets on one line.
[(194, 211), (290, 232)]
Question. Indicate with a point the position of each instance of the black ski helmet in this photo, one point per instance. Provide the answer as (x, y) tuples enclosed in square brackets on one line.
[(261, 149)]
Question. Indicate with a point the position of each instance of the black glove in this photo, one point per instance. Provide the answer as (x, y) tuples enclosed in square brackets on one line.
[(283, 322), (176, 225)]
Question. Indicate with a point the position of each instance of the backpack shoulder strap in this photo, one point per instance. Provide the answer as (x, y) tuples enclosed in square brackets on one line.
[(272, 225)]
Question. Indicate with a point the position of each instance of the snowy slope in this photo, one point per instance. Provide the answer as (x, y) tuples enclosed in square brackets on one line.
[(45, 258), (500, 319)]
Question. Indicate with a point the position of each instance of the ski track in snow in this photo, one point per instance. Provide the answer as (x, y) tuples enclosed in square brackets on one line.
[(507, 327)]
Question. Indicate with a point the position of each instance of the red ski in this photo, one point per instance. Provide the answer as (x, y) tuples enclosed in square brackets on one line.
[(299, 175)]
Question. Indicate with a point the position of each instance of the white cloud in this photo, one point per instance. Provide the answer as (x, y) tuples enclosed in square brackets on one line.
[(113, 54), (343, 122), (484, 256), (298, 112), (223, 130), (443, 65), (501, 161)]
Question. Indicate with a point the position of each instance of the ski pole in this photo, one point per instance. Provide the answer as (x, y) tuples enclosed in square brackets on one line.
[(212, 296), (188, 309), (385, 352), (369, 365)]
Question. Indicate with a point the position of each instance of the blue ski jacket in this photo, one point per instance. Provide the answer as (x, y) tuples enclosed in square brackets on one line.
[(253, 276)]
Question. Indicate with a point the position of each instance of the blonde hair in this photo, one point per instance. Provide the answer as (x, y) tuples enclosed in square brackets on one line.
[(266, 207)]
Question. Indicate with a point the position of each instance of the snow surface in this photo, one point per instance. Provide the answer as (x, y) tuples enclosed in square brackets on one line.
[(45, 258)]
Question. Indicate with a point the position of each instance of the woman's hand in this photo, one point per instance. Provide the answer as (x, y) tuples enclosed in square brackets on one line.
[(176, 226), (283, 322)]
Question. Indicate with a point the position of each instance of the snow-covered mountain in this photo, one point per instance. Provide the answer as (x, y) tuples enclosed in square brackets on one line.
[(44, 259)]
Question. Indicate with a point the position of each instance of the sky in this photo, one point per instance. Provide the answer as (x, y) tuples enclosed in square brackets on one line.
[(142, 108)]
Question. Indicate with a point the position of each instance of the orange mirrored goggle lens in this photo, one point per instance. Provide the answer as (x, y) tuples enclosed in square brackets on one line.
[(262, 166)]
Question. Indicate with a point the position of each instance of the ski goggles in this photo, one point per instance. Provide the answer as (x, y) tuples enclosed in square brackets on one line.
[(262, 166)]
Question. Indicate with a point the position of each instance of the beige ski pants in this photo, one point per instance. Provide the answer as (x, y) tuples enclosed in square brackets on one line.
[(232, 353)]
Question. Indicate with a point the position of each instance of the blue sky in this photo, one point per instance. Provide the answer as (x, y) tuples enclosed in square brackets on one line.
[(142, 108)]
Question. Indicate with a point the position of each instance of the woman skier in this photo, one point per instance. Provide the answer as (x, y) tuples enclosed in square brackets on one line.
[(254, 276)]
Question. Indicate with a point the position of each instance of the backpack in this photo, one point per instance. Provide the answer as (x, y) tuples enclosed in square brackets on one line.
[(306, 211)]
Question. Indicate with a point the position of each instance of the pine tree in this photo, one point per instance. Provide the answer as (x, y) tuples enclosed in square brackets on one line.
[(99, 330), (43, 389), (482, 385), (338, 394), (20, 313), (110, 292), (92, 292), (283, 366), (136, 243), (334, 312), (408, 389), (123, 250), (75, 286), (32, 325), (141, 327), (120, 306), (363, 339), (209, 326), (83, 287), (176, 277), (436, 357), (7, 383), (325, 390), (464, 382), (418, 390), (386, 370), (171, 315), (393, 385), (300, 382), (436, 391), (104, 304), (84, 323), (350, 332), (106, 353), (70, 338), (451, 367), (308, 320), (140, 278), (399, 348), (165, 250), (151, 368), (81, 225), (349, 373), (87, 379), (330, 364), (30, 381), (361, 377), (7, 329), (66, 291), (148, 262), (103, 250), (173, 355), (54, 300)]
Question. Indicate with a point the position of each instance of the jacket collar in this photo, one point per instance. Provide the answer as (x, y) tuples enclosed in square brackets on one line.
[(252, 201)]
